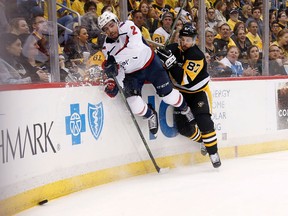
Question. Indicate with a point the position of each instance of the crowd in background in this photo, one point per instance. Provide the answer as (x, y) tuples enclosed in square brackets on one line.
[(233, 35)]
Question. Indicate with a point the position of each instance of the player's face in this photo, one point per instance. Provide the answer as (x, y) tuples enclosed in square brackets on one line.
[(111, 29), (186, 42)]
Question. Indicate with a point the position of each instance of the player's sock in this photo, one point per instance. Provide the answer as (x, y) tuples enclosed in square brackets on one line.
[(153, 121), (187, 112)]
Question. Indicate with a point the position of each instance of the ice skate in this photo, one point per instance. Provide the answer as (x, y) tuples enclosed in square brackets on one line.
[(153, 122), (215, 160), (203, 149), (189, 115)]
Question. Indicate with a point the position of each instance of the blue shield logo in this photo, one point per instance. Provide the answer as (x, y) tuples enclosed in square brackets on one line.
[(96, 119)]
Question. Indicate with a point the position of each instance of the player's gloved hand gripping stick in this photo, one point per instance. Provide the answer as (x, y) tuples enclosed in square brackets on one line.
[(166, 57)]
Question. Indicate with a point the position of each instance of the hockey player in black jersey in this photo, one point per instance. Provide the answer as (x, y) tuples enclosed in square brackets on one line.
[(187, 67)]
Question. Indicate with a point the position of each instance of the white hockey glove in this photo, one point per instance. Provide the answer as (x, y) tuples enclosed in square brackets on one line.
[(166, 57)]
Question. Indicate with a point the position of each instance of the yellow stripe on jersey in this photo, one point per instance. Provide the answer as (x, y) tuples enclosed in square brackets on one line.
[(191, 69)]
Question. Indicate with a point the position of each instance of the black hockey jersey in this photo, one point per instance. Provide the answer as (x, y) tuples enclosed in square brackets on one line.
[(190, 74)]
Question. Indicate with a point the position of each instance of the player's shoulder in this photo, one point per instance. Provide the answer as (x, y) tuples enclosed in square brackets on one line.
[(194, 52), (126, 23)]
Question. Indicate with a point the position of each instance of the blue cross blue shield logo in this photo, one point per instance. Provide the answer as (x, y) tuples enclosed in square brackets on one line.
[(75, 124), (96, 118)]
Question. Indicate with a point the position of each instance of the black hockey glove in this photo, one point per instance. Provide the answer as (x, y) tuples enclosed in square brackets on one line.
[(166, 57), (110, 67)]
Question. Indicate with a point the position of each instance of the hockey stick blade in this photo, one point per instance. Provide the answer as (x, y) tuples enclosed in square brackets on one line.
[(164, 170)]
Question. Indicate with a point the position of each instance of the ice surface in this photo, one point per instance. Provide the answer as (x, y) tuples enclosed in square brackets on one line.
[(256, 185)]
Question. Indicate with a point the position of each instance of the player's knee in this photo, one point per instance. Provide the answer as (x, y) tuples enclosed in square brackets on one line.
[(204, 122), (174, 98), (137, 105)]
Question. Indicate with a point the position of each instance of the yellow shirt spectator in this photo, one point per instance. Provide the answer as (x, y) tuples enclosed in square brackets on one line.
[(78, 6), (100, 6), (60, 10), (145, 33), (255, 40)]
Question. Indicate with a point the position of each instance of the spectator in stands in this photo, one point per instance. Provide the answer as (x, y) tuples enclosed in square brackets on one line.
[(282, 42), (162, 33), (89, 20), (133, 4), (4, 26), (233, 18), (272, 17), (11, 71), (78, 6), (150, 22), (159, 5), (154, 16), (220, 10), (209, 46), (215, 68), (256, 16), (186, 12), (137, 18), (29, 9), (254, 64), (275, 28), (179, 25), (245, 13), (243, 43), (238, 25), (276, 66), (231, 61), (103, 3), (64, 16), (79, 44), (253, 36), (222, 40), (107, 8), (90, 6), (210, 18), (19, 26), (282, 19), (40, 30), (30, 58)]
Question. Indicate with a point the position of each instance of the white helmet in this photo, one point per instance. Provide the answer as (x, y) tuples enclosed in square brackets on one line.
[(106, 17)]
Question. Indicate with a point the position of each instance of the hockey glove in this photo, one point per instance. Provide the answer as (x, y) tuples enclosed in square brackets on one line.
[(166, 57), (110, 67), (111, 88)]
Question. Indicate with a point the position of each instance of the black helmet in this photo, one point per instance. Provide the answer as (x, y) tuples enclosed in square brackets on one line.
[(188, 30)]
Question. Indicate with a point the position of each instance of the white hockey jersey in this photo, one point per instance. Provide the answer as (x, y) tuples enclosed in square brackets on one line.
[(160, 35), (129, 50)]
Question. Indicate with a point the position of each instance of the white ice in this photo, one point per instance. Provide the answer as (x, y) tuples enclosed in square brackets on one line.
[(255, 185)]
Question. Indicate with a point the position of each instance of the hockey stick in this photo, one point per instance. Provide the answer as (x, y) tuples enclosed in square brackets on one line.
[(154, 43), (174, 24), (159, 170)]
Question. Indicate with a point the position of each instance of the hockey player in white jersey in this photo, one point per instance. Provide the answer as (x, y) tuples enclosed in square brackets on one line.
[(126, 51)]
